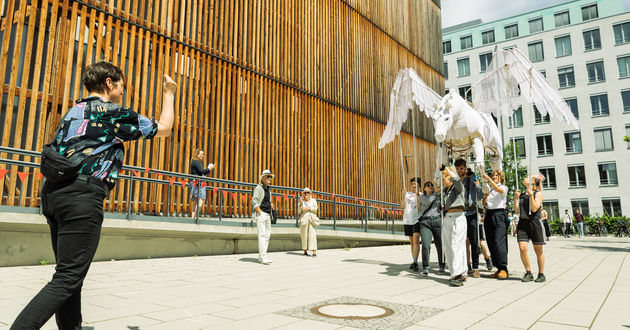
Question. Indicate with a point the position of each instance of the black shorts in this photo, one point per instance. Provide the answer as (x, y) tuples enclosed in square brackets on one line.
[(410, 229), (531, 230)]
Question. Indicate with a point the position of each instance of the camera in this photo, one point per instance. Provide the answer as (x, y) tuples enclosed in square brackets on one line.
[(469, 172)]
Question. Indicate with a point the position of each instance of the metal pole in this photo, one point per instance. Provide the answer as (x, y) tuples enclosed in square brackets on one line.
[(197, 201), (221, 205), (415, 156), (168, 201), (366, 218), (130, 194), (335, 213), (507, 70), (402, 164)]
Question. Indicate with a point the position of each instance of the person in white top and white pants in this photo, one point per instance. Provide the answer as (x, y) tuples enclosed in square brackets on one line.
[(567, 220)]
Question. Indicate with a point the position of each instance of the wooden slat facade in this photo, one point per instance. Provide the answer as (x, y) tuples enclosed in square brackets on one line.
[(297, 86)]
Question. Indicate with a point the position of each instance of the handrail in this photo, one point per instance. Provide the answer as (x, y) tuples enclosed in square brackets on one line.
[(337, 200)]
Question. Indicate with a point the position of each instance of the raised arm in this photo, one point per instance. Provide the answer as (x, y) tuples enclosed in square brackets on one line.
[(165, 124)]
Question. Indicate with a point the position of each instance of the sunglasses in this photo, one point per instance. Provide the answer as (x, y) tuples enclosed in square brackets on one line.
[(269, 177)]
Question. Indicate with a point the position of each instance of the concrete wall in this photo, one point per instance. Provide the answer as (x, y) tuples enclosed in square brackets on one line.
[(25, 239)]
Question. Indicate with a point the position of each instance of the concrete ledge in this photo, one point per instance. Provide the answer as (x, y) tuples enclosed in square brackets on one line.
[(25, 238)]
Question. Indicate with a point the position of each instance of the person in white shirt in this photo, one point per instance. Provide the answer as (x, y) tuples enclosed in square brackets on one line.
[(567, 220), (496, 223), (308, 222), (410, 219)]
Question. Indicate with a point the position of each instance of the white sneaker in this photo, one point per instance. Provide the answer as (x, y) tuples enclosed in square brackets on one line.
[(266, 261)]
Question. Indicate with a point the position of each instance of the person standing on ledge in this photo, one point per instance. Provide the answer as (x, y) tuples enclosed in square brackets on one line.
[(198, 193), (91, 135), (262, 204)]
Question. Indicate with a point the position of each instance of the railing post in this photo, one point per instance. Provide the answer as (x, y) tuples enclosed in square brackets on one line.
[(168, 201), (334, 212), (393, 222), (197, 201), (365, 225), (220, 205), (130, 194), (297, 211)]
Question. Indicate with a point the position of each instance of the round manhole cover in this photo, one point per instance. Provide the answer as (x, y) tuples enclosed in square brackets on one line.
[(352, 311)]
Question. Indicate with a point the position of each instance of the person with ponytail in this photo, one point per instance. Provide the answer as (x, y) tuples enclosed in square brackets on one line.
[(197, 193)]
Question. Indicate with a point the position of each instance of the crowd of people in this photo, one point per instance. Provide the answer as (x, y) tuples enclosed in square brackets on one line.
[(457, 225)]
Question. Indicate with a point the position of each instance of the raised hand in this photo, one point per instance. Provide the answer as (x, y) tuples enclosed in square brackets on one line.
[(169, 84)]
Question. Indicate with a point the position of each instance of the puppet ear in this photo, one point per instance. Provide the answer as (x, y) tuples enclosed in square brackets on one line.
[(448, 106)]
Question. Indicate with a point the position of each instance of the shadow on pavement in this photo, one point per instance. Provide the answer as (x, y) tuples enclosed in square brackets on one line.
[(254, 260), (603, 248)]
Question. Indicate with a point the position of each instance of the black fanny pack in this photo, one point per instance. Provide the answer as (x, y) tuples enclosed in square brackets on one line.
[(56, 167)]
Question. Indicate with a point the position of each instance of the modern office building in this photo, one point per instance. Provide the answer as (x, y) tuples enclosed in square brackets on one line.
[(583, 49)]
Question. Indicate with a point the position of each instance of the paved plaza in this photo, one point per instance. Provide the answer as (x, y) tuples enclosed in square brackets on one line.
[(588, 286)]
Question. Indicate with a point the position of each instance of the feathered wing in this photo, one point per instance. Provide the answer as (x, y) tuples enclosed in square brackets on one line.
[(409, 91), (508, 71)]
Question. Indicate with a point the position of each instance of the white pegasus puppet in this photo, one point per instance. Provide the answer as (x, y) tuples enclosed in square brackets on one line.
[(463, 130), (457, 125)]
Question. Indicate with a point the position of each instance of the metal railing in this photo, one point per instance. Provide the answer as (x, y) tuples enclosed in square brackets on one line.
[(332, 207)]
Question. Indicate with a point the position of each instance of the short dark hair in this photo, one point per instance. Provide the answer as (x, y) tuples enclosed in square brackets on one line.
[(416, 180), (95, 75), (460, 162)]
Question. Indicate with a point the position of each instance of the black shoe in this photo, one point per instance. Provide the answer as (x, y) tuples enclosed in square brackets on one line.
[(314, 254), (306, 254), (541, 278), (489, 264), (528, 277), (425, 271), (442, 271), (414, 266), (470, 268)]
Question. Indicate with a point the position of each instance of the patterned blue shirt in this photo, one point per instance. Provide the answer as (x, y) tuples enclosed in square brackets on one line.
[(93, 133)]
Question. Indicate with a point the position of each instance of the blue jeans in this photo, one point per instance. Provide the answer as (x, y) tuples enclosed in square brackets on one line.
[(580, 226), (431, 227)]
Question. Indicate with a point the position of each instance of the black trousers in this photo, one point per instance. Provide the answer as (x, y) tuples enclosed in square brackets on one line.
[(472, 233), (74, 213), (496, 226)]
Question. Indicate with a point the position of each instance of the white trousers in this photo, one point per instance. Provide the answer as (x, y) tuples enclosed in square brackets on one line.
[(263, 223), (454, 242), (308, 234)]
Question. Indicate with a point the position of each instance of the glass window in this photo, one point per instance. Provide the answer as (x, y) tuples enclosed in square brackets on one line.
[(520, 147), (545, 146), (573, 142), (566, 76), (603, 139), (624, 66), (580, 204), (540, 119), (550, 175), (576, 176), (592, 40), (553, 211), (487, 37), (589, 12), (536, 25), (622, 33), (463, 67), (607, 174), (484, 60), (517, 118), (625, 98), (562, 18), (563, 46), (573, 104), (612, 206), (446, 47), (595, 72), (599, 105), (511, 31), (544, 73), (462, 92), (628, 134), (466, 42), (536, 53), (446, 70)]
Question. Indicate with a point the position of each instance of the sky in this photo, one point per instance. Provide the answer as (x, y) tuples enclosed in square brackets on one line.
[(460, 11)]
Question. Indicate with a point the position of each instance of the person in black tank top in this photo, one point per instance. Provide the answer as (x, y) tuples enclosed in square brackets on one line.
[(530, 227), (197, 193)]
